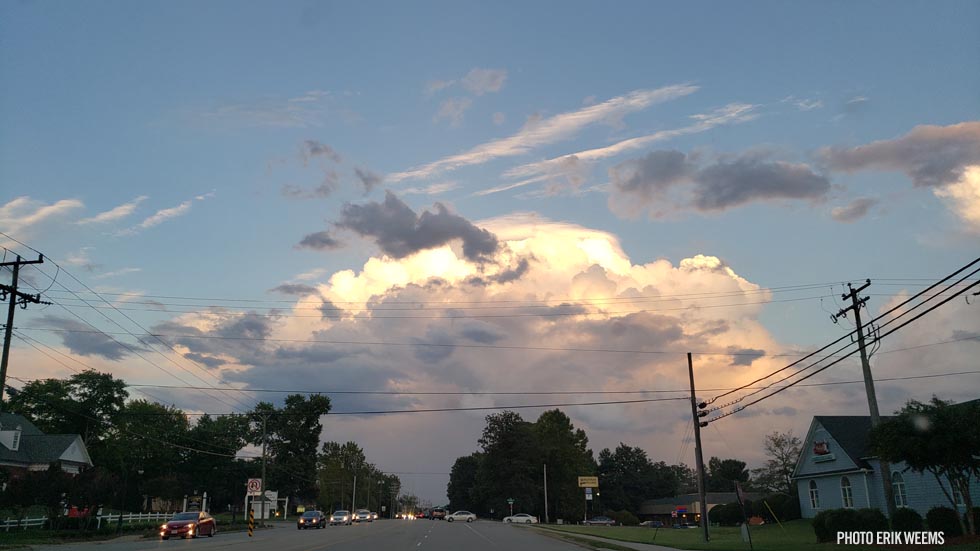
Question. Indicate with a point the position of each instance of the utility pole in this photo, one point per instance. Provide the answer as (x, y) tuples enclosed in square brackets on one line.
[(353, 496), (546, 493), (265, 439), (869, 383), (16, 297), (699, 457)]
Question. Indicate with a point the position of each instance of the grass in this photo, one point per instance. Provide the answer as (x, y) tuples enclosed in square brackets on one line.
[(796, 535)]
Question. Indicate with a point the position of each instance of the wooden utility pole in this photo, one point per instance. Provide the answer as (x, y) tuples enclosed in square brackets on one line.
[(869, 383), (698, 455), (16, 298)]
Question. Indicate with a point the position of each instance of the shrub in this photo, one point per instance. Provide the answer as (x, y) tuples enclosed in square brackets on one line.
[(827, 523), (624, 518), (872, 520), (786, 507), (944, 519), (906, 520)]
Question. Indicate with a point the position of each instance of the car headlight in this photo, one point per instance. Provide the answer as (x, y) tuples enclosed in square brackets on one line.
[(163, 526)]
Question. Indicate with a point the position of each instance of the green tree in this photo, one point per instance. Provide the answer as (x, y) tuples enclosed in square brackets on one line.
[(463, 481), (511, 467), (627, 478), (292, 442), (783, 450), (723, 473), (937, 437), (565, 450)]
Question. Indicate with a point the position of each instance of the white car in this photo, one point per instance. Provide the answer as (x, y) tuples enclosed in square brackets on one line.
[(521, 518), (461, 516), (362, 515)]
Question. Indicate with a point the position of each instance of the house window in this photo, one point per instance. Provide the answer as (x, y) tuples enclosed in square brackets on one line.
[(814, 495), (845, 493), (898, 489)]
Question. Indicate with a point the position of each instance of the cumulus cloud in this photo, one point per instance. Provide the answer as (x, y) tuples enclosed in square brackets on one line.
[(963, 198), (932, 156), (452, 110), (482, 81), (400, 232), (664, 181), (117, 213), (853, 211), (550, 130)]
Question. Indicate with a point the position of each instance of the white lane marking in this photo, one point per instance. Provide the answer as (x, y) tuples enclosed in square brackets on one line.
[(479, 534)]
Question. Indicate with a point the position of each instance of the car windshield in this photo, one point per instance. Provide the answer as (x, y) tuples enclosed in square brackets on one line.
[(185, 516), (309, 514), (341, 513)]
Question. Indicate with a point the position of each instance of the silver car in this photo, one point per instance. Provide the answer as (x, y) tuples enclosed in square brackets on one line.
[(340, 517), (461, 516)]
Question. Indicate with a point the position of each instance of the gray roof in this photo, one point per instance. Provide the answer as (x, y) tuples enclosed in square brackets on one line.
[(851, 433), (35, 447)]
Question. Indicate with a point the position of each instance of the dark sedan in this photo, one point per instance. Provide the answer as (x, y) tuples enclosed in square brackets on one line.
[(189, 524), (311, 519)]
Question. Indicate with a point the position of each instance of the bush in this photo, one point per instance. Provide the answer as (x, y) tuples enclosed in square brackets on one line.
[(827, 523), (729, 514), (624, 518), (906, 520), (872, 520), (786, 507), (944, 519)]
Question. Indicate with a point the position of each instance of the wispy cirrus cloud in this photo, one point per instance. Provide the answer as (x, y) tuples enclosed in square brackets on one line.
[(117, 213), (163, 215), (853, 211), (482, 81), (117, 273), (434, 189), (549, 130), (452, 110), (23, 213), (303, 111), (571, 165)]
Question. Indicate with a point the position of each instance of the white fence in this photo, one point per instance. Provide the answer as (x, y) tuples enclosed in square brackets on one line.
[(128, 518)]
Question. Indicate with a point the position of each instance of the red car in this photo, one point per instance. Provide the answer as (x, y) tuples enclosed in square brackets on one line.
[(189, 524)]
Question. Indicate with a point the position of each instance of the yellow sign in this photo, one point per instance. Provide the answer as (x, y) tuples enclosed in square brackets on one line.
[(300, 509), (588, 482)]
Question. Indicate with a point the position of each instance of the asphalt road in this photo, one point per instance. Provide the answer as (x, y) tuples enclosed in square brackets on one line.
[(382, 535)]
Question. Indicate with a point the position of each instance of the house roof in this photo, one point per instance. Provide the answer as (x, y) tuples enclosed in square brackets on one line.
[(36, 448), (851, 433)]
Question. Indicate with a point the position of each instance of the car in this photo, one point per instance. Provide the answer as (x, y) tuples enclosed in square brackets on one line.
[(599, 521), (461, 516), (521, 518), (189, 524), (685, 525), (420, 514), (374, 515), (362, 515), (438, 514), (340, 517), (311, 519), (652, 523)]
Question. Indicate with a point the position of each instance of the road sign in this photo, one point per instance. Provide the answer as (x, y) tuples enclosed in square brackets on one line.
[(510, 501), (254, 486), (588, 482), (588, 491), (673, 514)]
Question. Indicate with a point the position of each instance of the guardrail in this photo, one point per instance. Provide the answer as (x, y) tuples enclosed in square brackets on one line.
[(128, 518)]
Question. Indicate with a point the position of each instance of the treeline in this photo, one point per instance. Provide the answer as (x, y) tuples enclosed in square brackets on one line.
[(513, 453), (143, 450)]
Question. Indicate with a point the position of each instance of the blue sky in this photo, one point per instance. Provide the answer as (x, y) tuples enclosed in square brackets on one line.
[(222, 150)]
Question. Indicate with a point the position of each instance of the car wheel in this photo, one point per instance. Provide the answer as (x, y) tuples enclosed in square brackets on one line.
[(527, 522), (212, 532), (165, 537), (508, 521), (469, 520), (450, 519)]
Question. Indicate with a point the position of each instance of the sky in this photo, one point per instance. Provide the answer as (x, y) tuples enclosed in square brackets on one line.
[(482, 198)]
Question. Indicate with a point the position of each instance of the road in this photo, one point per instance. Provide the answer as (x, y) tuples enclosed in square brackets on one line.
[(418, 535)]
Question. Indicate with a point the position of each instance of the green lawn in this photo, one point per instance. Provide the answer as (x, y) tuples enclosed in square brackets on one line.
[(793, 536)]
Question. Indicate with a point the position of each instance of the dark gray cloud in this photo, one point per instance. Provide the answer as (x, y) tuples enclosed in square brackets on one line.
[(732, 183), (651, 175), (368, 179), (745, 356), (240, 336), (204, 359), (298, 289), (513, 274), (648, 182), (320, 241), (929, 155), (313, 148), (330, 183), (84, 340), (400, 232), (853, 211), (963, 335), (785, 410)]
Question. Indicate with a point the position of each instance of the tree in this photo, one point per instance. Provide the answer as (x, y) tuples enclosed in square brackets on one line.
[(783, 450), (564, 449), (511, 467), (628, 478), (293, 439), (462, 482), (939, 437), (723, 473)]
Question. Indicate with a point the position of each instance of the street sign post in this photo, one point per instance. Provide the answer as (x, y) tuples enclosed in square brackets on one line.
[(510, 501), (254, 486)]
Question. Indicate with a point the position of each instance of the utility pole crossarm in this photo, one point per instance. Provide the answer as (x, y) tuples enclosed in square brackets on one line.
[(15, 297)]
